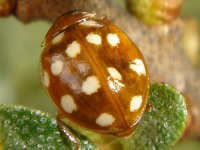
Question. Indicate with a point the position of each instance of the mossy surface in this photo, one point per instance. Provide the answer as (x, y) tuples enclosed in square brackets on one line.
[(23, 128)]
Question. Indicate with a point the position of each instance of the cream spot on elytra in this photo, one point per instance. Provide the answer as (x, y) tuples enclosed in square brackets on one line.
[(115, 85), (138, 66), (135, 103), (105, 119), (68, 104), (93, 38), (113, 39), (91, 85), (57, 39), (45, 79), (73, 49), (114, 73), (57, 67)]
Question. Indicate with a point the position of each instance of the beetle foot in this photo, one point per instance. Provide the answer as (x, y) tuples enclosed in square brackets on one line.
[(68, 134)]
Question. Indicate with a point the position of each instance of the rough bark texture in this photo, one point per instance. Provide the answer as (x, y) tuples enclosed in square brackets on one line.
[(160, 45)]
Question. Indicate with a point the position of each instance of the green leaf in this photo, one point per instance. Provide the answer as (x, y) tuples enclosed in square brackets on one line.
[(23, 128), (159, 129), (164, 124)]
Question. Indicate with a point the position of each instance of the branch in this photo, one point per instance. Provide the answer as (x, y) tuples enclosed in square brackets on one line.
[(160, 45)]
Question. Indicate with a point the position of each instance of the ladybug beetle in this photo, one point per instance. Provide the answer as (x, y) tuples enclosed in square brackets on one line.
[(95, 74)]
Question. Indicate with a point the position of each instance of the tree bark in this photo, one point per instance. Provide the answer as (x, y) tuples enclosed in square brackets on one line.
[(161, 45)]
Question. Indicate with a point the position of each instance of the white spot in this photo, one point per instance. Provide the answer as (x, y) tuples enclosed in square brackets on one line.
[(115, 85), (93, 38), (90, 23), (138, 66), (45, 79), (114, 73), (113, 39), (58, 38), (136, 103), (68, 104), (73, 49), (105, 119), (57, 67), (91, 85)]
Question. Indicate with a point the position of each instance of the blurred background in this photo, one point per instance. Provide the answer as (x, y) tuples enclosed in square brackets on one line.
[(20, 48)]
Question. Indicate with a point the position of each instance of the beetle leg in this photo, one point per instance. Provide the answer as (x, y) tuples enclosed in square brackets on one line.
[(67, 133)]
